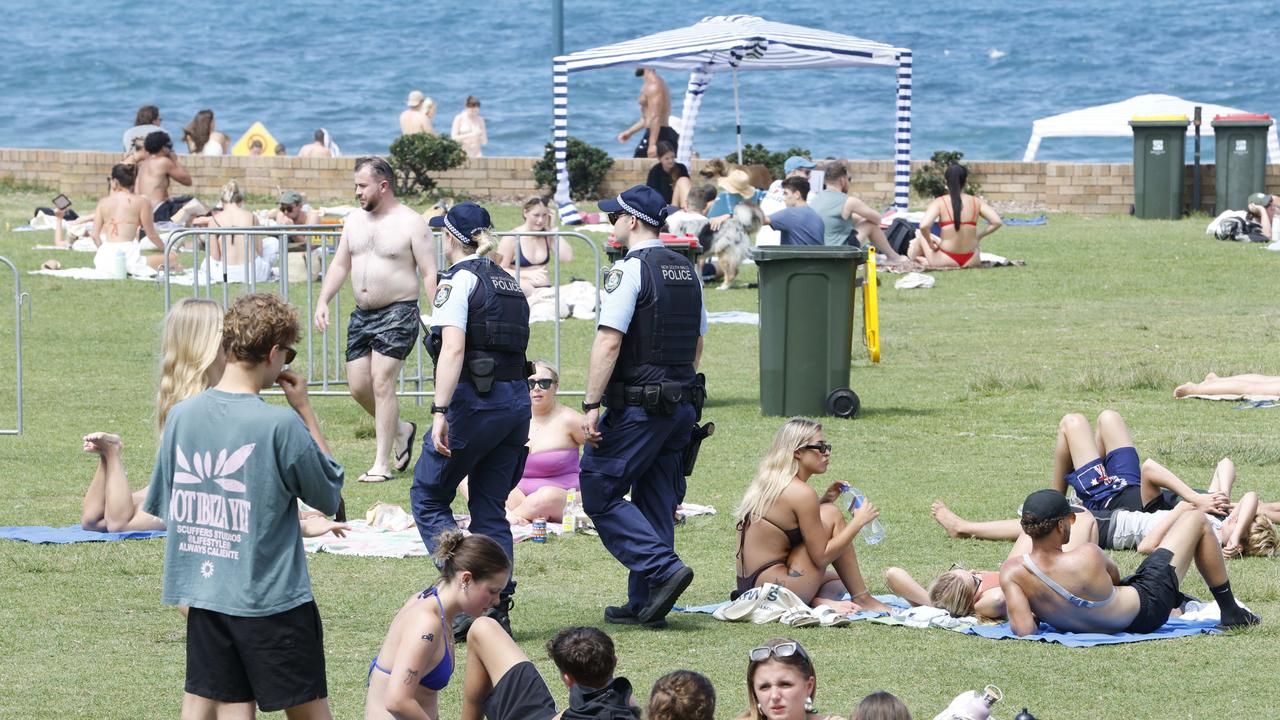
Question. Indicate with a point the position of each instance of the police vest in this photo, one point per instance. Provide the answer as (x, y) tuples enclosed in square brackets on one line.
[(661, 341), (497, 319)]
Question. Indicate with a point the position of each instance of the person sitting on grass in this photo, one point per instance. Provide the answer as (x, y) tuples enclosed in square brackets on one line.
[(957, 218), (1246, 385), (781, 683), (534, 252), (502, 684), (416, 660), (682, 695), (192, 359), (227, 253), (119, 219), (1080, 589), (881, 706), (1244, 531), (1103, 469), (788, 535)]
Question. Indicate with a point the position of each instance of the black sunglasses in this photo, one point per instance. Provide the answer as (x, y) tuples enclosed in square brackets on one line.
[(783, 649), (822, 447), (289, 354), (544, 383), (614, 216)]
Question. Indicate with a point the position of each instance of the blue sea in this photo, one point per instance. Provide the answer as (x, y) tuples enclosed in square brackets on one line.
[(75, 72)]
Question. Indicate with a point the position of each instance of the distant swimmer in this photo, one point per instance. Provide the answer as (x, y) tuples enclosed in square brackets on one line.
[(318, 148), (655, 109), (469, 128), (417, 117)]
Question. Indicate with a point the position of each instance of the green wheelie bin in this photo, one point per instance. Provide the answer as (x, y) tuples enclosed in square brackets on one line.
[(1159, 153), (1240, 158), (806, 329)]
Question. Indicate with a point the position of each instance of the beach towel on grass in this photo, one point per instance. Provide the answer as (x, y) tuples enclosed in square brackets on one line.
[(1037, 220), (1174, 628), (43, 534), (1246, 398)]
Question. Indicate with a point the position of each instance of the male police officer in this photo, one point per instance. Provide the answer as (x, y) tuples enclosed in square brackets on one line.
[(643, 365), (480, 417)]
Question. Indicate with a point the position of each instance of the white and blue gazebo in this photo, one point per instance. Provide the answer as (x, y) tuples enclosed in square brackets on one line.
[(733, 43)]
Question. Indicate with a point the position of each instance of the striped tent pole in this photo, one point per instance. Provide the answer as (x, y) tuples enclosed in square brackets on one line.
[(698, 81), (560, 142), (902, 134)]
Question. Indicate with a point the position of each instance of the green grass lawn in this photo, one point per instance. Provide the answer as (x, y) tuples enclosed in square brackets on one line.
[(1108, 312)]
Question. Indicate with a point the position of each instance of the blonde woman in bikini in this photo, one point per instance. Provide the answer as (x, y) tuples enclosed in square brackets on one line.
[(957, 217), (227, 256)]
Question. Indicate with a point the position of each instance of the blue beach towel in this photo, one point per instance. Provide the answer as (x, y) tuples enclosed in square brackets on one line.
[(1038, 220), (43, 534), (1174, 628), (1257, 404)]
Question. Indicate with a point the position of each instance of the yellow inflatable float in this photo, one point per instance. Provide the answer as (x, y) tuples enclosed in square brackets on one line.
[(256, 132)]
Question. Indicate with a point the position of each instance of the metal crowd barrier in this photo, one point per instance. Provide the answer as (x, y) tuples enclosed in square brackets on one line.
[(332, 355), (19, 298)]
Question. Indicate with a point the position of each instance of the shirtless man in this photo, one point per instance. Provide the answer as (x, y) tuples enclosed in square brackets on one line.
[(1079, 589), (655, 108), (316, 148), (385, 246), (155, 170), (414, 118)]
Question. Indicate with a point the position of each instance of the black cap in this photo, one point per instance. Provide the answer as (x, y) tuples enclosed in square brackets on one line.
[(1047, 504), (462, 221)]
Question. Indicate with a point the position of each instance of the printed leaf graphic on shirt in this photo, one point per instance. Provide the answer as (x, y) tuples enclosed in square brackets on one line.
[(204, 469)]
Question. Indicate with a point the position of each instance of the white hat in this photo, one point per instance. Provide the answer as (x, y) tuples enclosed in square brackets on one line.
[(415, 98)]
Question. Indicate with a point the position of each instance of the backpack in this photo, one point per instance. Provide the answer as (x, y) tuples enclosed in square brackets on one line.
[(899, 234), (1240, 230)]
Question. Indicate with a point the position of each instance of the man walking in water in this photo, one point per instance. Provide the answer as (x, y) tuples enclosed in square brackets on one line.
[(385, 246), (655, 109), (1079, 589)]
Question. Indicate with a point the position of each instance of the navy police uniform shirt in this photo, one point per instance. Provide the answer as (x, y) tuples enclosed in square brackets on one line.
[(622, 289)]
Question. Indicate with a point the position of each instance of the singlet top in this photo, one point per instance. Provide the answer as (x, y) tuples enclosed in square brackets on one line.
[(990, 581), (213, 147), (1062, 592)]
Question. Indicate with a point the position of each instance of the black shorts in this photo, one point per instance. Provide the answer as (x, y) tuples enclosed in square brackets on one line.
[(666, 134), (521, 694), (1158, 594), (1130, 498), (165, 211), (1104, 528), (277, 660), (390, 330)]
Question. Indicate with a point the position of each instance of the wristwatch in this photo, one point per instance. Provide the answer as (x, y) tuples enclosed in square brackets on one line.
[(587, 407), (439, 408)]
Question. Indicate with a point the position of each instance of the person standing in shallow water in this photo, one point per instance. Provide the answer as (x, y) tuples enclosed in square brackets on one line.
[(385, 247)]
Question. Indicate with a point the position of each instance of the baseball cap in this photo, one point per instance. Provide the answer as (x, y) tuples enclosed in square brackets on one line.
[(290, 197), (462, 221), (796, 161), (415, 98), (1047, 504), (1262, 199), (641, 201)]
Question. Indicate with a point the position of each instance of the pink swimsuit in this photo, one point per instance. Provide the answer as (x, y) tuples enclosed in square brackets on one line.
[(550, 468)]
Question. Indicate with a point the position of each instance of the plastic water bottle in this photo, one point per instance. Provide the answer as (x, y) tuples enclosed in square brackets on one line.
[(852, 499), (121, 268), (572, 508), (971, 705)]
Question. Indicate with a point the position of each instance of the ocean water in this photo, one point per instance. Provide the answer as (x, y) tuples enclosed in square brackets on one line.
[(74, 73)]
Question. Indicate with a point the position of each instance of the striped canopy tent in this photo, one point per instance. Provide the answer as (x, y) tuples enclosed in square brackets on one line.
[(733, 42)]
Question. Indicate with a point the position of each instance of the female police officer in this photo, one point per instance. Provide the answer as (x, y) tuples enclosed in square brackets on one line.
[(480, 417), (643, 366)]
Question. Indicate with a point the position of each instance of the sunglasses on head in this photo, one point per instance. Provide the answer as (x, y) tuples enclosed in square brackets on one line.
[(977, 577), (544, 383), (822, 447), (289, 354), (784, 649)]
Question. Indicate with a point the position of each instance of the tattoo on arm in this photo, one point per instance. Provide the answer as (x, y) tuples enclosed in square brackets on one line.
[(795, 573), (410, 676), (429, 637)]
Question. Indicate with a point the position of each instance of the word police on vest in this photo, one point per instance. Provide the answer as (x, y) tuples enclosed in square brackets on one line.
[(677, 272), (502, 282)]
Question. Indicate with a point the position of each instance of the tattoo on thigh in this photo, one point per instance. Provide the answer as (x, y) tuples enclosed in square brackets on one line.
[(411, 676)]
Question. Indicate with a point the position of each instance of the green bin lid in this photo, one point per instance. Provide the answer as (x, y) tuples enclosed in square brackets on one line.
[(767, 253)]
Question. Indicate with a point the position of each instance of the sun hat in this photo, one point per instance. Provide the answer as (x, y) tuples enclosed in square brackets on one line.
[(737, 181), (1047, 504), (415, 98), (290, 197), (796, 161), (462, 221), (640, 201)]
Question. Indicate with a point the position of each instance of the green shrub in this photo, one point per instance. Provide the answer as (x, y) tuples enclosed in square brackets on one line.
[(928, 181), (757, 155), (587, 166), (415, 156)]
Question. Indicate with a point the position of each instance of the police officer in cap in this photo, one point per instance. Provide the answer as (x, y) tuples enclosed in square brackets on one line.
[(643, 368), (480, 417)]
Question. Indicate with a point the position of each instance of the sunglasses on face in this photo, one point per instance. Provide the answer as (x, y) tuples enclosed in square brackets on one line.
[(289, 355), (615, 216), (785, 649), (544, 383), (822, 447), (976, 576)]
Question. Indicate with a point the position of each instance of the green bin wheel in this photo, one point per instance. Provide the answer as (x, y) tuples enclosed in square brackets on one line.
[(843, 403)]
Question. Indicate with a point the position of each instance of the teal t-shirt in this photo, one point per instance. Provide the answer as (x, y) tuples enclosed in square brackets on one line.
[(227, 479), (829, 204)]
